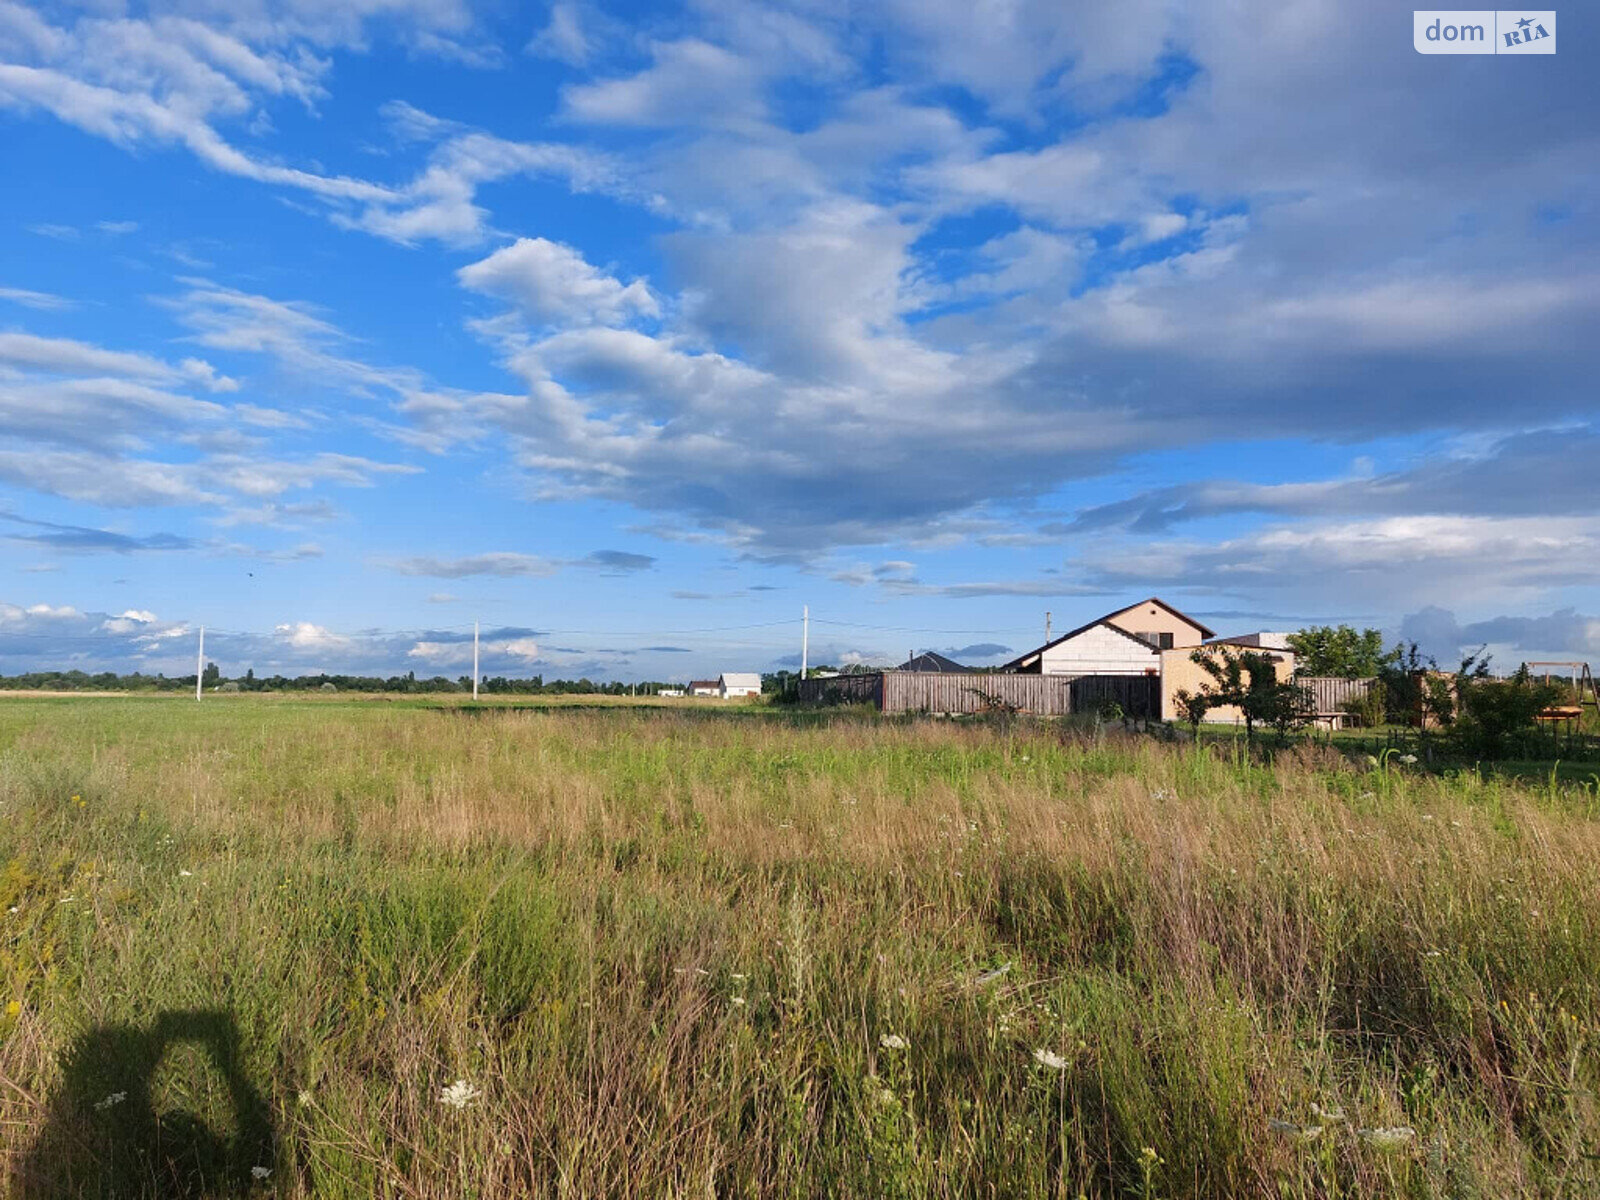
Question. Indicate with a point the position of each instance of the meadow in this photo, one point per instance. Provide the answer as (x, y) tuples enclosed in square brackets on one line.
[(349, 948)]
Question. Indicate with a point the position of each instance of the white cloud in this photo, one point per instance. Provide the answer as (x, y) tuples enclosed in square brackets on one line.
[(43, 301), (504, 564), (552, 284), (304, 635)]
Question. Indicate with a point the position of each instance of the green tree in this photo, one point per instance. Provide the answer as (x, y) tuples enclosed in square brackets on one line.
[(1496, 717), (1341, 651), (211, 676), (1249, 682), (1193, 706)]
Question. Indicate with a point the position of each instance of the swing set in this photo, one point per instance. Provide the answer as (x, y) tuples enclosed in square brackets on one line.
[(1582, 680)]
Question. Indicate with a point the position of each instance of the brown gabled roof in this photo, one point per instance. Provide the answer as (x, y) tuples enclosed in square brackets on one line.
[(1016, 663), (1205, 634)]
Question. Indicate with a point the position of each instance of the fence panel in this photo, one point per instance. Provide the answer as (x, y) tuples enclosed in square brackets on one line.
[(1137, 695), (844, 689), (1329, 694)]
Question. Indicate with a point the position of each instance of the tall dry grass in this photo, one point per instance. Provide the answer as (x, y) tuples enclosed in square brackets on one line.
[(675, 952)]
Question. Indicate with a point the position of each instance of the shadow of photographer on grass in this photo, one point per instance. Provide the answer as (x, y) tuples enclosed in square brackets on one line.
[(104, 1137)]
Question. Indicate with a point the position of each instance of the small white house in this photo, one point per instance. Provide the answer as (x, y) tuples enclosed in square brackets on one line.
[(732, 684)]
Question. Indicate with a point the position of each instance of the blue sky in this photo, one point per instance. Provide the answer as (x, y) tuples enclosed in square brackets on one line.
[(628, 330)]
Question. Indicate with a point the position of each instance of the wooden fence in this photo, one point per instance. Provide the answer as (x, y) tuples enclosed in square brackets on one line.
[(1330, 694), (1040, 695)]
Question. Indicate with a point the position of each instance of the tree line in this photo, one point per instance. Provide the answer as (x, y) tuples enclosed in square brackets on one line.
[(212, 679)]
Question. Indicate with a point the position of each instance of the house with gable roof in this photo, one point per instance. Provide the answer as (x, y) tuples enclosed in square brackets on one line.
[(1128, 641)]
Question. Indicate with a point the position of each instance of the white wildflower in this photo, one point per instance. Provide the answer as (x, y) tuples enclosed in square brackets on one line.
[(1046, 1058), (738, 1001), (991, 976), (305, 1098), (1410, 760), (459, 1094), (111, 1101), (1307, 1133), (893, 1041), (185, 874), (1388, 1137), (260, 1172), (1331, 1115), (741, 978)]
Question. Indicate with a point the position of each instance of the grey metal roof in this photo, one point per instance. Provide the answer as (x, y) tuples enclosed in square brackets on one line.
[(929, 661)]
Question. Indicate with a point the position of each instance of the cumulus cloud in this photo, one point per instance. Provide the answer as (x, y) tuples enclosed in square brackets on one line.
[(552, 284)]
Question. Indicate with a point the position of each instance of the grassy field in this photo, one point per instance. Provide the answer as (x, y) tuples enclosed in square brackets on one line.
[(672, 952)]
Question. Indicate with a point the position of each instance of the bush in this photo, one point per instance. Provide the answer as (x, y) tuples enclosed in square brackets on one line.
[(1371, 709), (1497, 716)]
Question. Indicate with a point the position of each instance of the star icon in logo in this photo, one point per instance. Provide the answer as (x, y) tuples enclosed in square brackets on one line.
[(1524, 23)]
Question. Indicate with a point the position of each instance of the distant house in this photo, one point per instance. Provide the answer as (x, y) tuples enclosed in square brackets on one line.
[(1126, 642), (705, 687), (734, 684), (929, 661), (670, 691), (1256, 641)]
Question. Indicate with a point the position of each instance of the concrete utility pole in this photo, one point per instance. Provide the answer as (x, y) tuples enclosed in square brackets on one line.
[(1047, 627), (200, 663), (474, 660), (805, 637)]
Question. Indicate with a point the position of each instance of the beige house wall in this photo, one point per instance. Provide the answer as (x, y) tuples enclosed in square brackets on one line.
[(1152, 618), (1180, 673)]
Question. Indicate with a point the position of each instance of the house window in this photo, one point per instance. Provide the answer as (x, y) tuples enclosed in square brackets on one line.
[(1161, 641)]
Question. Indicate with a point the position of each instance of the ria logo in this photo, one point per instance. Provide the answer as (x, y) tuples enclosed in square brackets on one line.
[(1529, 30), (1484, 31)]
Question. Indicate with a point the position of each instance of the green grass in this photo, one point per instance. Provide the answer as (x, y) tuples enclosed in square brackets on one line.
[(667, 946)]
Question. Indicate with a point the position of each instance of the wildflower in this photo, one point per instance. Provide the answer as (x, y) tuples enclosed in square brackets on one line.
[(741, 978), (1046, 1058), (12, 909), (893, 1041), (14, 1008), (1025, 758), (260, 1172), (1307, 1133), (991, 976), (111, 1101), (305, 1098), (459, 1094), (1410, 760), (1427, 816), (1328, 1116), (1387, 1137), (185, 874), (738, 1001)]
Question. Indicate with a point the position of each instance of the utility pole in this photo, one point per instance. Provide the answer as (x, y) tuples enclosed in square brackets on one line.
[(805, 637), (474, 660), (200, 663), (1046, 627)]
